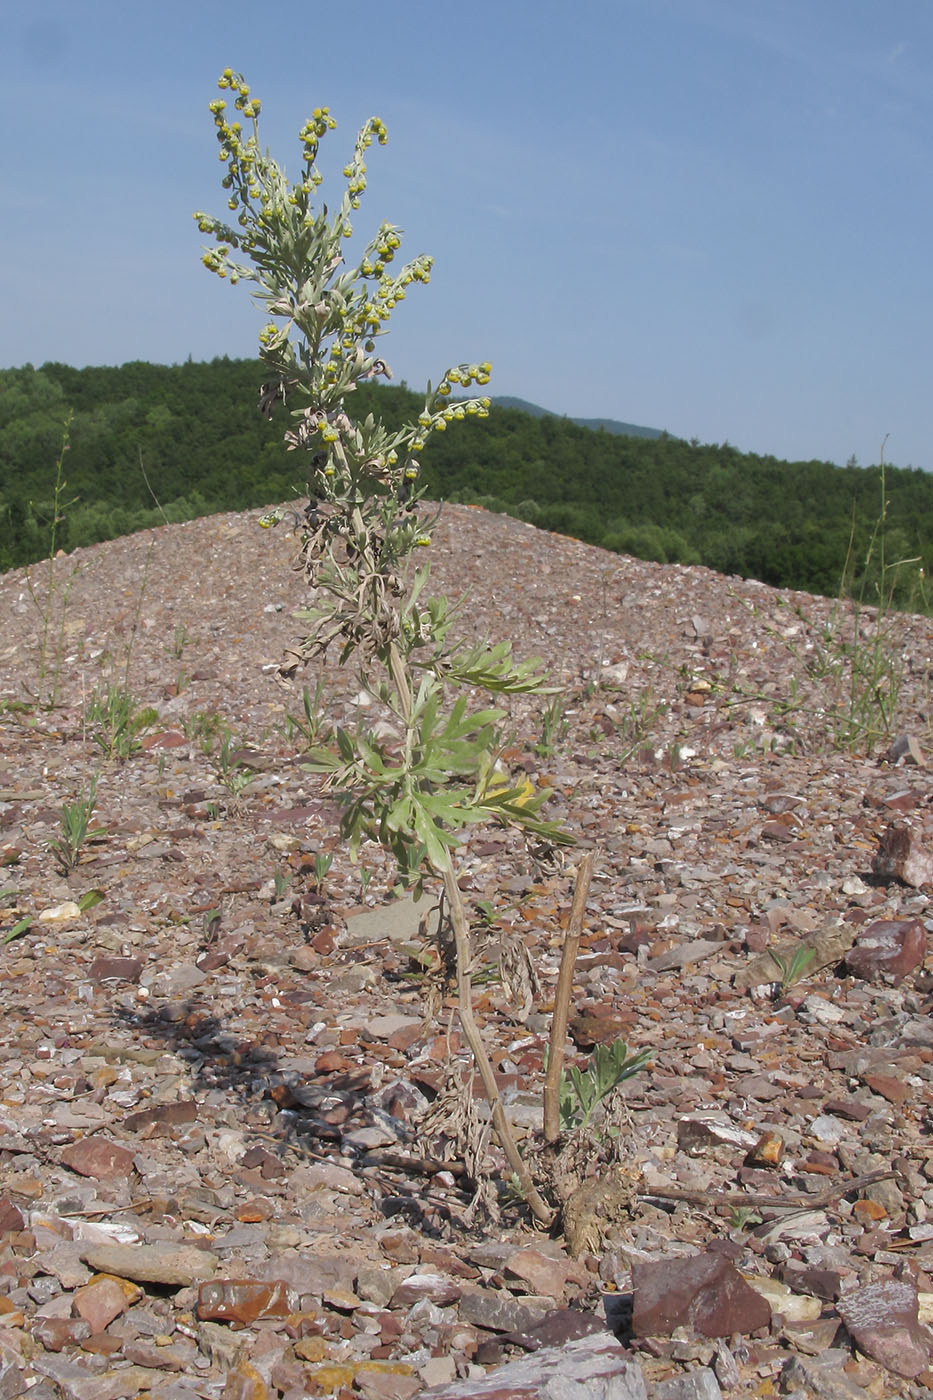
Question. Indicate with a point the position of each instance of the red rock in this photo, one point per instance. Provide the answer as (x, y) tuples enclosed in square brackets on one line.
[(164, 1116), (210, 962), (441, 1291), (821, 1283), (498, 1311), (11, 1217), (542, 1274), (142, 1352), (259, 1208), (54, 1333), (107, 969), (332, 1062), (778, 831), (904, 854), (888, 948), (557, 1327), (438, 1257), (100, 1301), (269, 1165), (882, 1320), (324, 941), (703, 1292), (98, 1157), (894, 1090), (242, 1301), (385, 1385), (852, 1109), (167, 739)]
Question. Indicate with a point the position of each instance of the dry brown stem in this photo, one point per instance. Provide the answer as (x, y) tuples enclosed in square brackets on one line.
[(568, 961), (538, 1206)]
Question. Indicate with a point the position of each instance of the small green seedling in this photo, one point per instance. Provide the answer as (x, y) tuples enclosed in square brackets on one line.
[(212, 919), (75, 824), (554, 727), (322, 864), (313, 727), (21, 926), (743, 1216), (582, 1091), (792, 968)]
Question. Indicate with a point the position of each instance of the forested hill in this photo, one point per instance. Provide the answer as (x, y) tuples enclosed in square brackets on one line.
[(191, 436), (611, 425)]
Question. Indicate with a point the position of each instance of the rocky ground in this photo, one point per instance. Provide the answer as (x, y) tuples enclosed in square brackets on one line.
[(226, 1062)]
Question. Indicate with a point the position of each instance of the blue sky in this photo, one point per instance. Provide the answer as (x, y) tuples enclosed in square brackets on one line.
[(710, 216)]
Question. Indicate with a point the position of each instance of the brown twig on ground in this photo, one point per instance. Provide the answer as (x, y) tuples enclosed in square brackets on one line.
[(795, 1202)]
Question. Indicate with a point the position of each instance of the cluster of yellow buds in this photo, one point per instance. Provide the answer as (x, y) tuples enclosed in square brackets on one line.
[(339, 316), (466, 375), (250, 107)]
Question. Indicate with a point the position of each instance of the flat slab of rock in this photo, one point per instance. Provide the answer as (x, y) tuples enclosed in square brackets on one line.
[(888, 947), (98, 1157), (397, 921), (593, 1368), (702, 1291), (176, 1265), (884, 1323)]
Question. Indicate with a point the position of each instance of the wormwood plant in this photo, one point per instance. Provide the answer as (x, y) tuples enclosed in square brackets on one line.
[(429, 769)]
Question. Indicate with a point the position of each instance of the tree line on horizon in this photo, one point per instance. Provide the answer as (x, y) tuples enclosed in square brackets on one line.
[(150, 443)]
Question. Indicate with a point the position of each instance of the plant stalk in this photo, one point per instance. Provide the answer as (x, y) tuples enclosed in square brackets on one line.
[(568, 961), (538, 1206)]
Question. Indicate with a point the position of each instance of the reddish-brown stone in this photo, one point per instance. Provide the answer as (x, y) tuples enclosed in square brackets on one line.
[(557, 1327), (904, 854), (242, 1301), (703, 1292), (888, 948), (98, 1157), (542, 1274), (882, 1319), (269, 1165), (112, 969), (441, 1291), (894, 1090), (11, 1217), (164, 1116), (100, 1301), (55, 1333)]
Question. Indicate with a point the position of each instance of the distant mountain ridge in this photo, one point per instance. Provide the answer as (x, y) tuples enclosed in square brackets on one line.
[(611, 425)]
